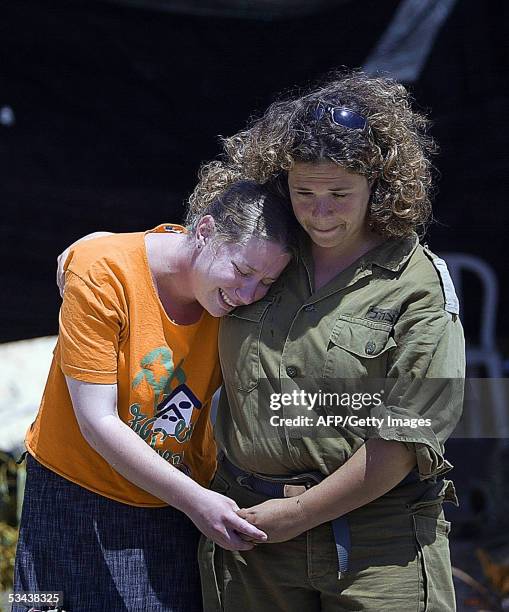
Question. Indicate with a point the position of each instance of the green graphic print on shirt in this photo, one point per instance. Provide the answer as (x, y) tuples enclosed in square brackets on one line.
[(172, 407)]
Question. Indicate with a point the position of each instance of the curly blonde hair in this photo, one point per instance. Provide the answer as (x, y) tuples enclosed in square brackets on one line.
[(393, 151)]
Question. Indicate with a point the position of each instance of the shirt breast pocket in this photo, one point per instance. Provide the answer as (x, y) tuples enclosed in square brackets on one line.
[(239, 345), (358, 349)]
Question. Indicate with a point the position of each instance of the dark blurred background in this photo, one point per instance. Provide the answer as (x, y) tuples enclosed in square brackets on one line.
[(108, 109)]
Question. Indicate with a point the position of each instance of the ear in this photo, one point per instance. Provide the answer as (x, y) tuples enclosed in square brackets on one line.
[(205, 230)]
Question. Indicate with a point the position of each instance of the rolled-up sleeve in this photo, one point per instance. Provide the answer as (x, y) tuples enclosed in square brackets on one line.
[(90, 325), (425, 381)]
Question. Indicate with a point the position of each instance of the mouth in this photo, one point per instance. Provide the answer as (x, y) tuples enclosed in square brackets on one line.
[(226, 300), (328, 230)]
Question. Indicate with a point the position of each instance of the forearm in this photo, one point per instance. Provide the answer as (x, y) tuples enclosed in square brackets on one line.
[(131, 457), (376, 467), (95, 407)]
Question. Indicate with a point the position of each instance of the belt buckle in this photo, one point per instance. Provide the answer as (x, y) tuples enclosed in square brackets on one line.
[(290, 490), (242, 481)]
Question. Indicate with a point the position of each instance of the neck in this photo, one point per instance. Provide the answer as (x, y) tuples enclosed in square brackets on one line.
[(169, 259), (329, 262)]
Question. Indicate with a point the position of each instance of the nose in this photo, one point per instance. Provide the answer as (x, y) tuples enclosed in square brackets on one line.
[(247, 291), (322, 207)]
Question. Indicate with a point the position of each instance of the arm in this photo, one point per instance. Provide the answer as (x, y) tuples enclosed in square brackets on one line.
[(95, 406), (376, 467), (424, 379), (62, 258)]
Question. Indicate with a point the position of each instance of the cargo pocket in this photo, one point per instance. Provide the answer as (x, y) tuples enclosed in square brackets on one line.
[(358, 349), (432, 543), (239, 341), (210, 562)]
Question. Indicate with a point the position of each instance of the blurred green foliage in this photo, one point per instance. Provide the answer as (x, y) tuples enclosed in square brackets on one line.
[(8, 518)]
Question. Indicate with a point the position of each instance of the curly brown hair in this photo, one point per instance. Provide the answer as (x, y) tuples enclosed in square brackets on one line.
[(393, 151)]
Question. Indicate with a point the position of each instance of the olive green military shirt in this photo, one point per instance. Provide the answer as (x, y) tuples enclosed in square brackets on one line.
[(390, 320)]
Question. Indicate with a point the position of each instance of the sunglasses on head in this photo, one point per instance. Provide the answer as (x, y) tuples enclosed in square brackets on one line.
[(340, 115)]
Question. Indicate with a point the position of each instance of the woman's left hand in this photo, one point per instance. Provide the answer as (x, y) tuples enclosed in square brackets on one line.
[(281, 519)]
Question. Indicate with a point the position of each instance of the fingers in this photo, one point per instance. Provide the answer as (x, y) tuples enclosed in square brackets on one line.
[(61, 259), (235, 542), (253, 542), (230, 540), (245, 529), (59, 279)]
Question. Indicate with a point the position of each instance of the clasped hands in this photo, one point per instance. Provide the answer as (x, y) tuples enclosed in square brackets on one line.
[(281, 519)]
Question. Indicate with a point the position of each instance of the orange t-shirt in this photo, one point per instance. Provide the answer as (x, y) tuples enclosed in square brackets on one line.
[(114, 329)]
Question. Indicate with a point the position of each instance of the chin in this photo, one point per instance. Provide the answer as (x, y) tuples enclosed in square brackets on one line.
[(326, 242), (216, 315), (214, 310), (332, 239)]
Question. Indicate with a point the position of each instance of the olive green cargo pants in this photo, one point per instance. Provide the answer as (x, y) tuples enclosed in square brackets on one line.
[(399, 560)]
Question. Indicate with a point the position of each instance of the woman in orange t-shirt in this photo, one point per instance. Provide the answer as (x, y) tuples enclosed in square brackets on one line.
[(121, 451)]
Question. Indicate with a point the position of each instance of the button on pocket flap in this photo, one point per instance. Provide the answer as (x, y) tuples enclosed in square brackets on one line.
[(363, 340), (252, 312)]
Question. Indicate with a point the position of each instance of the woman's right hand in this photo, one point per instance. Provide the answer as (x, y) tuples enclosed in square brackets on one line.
[(62, 258), (216, 517)]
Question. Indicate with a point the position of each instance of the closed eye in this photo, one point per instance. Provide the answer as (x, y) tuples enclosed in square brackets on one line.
[(239, 271)]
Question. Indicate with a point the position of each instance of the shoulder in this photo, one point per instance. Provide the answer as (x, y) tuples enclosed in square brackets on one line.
[(105, 258), (428, 280)]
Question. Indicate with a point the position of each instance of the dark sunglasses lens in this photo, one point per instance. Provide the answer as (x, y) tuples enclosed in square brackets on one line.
[(348, 118)]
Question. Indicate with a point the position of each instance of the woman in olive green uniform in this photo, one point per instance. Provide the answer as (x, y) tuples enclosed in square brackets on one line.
[(343, 383)]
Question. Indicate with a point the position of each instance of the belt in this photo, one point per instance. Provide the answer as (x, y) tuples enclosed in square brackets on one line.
[(290, 486)]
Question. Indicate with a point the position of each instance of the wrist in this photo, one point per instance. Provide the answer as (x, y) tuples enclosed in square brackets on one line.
[(311, 508), (191, 498), (303, 516)]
